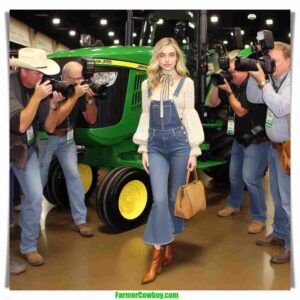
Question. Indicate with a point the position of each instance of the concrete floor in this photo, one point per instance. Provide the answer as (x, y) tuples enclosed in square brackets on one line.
[(213, 253)]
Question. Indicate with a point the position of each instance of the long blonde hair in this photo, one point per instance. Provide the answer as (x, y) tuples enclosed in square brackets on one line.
[(154, 71)]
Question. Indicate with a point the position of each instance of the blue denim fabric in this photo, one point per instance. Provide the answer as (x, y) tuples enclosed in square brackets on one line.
[(168, 150), (280, 190), (247, 166), (67, 157), (30, 182)]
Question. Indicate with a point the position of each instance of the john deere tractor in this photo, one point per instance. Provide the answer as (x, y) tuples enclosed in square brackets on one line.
[(124, 197)]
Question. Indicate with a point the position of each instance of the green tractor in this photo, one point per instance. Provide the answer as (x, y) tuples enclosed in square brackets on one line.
[(124, 197)]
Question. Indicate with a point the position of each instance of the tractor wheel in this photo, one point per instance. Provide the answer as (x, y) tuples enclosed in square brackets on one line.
[(220, 149), (56, 189), (124, 198)]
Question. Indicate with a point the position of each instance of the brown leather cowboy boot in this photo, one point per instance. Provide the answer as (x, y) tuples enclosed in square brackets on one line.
[(155, 266), (167, 254)]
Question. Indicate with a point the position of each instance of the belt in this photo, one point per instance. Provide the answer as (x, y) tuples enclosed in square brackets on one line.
[(60, 132), (276, 145), (260, 139)]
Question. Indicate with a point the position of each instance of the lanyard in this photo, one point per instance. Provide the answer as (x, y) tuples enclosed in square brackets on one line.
[(275, 87)]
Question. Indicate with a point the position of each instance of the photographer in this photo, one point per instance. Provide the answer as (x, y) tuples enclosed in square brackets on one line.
[(61, 142), (275, 93), (250, 147), (27, 94)]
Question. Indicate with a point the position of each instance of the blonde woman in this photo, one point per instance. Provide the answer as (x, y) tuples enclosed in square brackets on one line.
[(168, 134)]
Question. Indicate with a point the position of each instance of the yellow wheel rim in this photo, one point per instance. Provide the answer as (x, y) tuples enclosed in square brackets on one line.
[(86, 174), (133, 199)]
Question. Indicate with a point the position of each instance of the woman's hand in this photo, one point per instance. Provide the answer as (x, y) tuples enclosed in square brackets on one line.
[(145, 162), (192, 163)]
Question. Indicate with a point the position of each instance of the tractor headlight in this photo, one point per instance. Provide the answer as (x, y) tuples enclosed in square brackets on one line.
[(105, 78)]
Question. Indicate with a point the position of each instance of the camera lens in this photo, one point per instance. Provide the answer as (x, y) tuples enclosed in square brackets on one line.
[(67, 89)]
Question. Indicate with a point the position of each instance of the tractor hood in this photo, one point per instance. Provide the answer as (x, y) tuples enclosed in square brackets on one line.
[(139, 55)]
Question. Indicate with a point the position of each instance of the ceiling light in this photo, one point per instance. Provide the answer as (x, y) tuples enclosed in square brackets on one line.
[(225, 42), (160, 21), (191, 14), (103, 22), (269, 22), (72, 32), (242, 32), (231, 33), (134, 34), (251, 17), (116, 42), (111, 33), (191, 25), (56, 21), (184, 41), (214, 19)]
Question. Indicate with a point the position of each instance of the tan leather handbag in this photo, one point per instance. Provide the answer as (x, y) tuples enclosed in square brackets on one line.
[(190, 198)]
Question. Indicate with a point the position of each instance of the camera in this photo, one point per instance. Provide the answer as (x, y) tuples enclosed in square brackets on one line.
[(98, 89), (218, 78), (247, 138), (88, 71), (264, 43), (67, 89)]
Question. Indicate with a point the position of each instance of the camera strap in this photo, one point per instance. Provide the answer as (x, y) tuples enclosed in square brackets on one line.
[(277, 88)]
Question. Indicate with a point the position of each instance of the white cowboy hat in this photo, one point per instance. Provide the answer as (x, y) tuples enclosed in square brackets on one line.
[(35, 59)]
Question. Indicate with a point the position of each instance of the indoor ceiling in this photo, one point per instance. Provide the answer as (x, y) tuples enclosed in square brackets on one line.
[(87, 21)]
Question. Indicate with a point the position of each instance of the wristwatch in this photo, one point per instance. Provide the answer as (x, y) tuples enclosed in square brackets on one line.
[(262, 84)]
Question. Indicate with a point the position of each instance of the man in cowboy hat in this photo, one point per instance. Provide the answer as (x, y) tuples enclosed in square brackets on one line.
[(26, 94)]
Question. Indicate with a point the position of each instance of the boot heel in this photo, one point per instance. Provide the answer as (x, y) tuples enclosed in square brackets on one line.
[(159, 270)]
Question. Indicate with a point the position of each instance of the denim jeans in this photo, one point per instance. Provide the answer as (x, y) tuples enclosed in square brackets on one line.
[(67, 157), (247, 166), (168, 150), (30, 182), (280, 190)]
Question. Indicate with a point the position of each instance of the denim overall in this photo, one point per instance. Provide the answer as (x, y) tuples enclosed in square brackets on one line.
[(168, 150)]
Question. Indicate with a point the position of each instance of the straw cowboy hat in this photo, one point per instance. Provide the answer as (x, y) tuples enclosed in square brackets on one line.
[(35, 59)]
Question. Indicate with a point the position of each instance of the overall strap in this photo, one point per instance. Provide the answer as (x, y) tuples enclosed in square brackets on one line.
[(179, 87)]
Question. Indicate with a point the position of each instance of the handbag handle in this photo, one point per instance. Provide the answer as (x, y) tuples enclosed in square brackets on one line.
[(187, 180)]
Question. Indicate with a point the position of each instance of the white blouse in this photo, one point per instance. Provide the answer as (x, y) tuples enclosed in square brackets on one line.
[(185, 105)]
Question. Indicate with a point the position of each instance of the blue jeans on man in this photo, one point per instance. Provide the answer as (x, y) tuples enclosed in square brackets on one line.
[(247, 167), (30, 182), (280, 190), (67, 156)]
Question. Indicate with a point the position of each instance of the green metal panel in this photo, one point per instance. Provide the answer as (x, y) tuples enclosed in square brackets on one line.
[(140, 55)]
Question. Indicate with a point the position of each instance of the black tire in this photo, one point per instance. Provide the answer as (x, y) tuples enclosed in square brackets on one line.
[(112, 199), (220, 149), (47, 189), (100, 194), (56, 189)]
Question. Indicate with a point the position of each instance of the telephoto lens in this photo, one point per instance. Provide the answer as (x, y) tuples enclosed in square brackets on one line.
[(67, 89)]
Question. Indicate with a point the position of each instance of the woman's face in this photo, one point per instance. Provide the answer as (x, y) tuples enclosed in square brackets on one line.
[(167, 58)]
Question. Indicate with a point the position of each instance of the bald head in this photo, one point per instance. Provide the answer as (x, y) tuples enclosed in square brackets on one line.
[(72, 72)]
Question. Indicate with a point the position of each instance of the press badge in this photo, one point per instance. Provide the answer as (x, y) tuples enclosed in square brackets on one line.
[(70, 135), (30, 136), (269, 119), (230, 126)]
